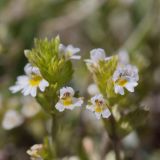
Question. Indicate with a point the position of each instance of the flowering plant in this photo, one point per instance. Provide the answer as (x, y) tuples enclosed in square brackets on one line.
[(47, 76)]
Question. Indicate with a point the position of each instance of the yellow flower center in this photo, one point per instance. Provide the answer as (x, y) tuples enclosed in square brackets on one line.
[(67, 99), (121, 82), (35, 80), (98, 109), (99, 106)]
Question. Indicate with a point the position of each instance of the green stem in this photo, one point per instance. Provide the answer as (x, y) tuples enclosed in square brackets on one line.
[(115, 139), (53, 137), (111, 128)]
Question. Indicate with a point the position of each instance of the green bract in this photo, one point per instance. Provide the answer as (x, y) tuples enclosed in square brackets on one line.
[(45, 55), (103, 76)]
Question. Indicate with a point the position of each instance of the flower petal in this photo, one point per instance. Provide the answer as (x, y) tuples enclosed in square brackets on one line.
[(65, 90), (29, 69), (70, 107), (15, 88), (72, 49), (33, 91), (59, 107), (97, 54), (77, 102), (129, 87), (43, 84), (98, 115), (27, 90), (119, 89), (106, 113)]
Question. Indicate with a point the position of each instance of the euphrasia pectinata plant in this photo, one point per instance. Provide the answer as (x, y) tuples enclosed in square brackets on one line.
[(50, 70)]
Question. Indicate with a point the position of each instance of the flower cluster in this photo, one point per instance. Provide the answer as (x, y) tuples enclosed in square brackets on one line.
[(124, 76), (46, 75)]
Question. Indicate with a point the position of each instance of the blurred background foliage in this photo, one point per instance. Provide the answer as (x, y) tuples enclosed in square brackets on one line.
[(131, 25)]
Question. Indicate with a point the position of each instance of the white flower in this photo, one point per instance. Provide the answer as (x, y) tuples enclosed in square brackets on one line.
[(12, 119), (35, 152), (69, 51), (96, 55), (30, 107), (99, 107), (67, 100), (125, 77), (29, 83)]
